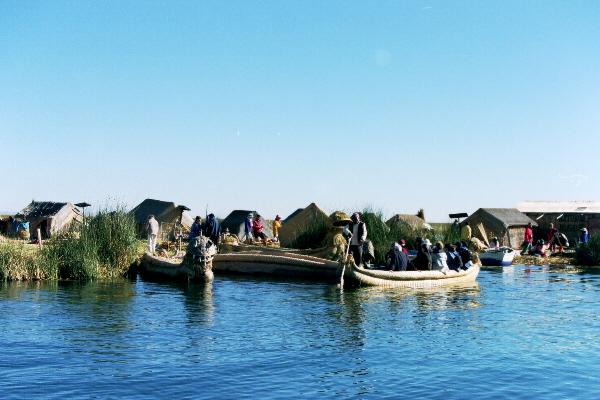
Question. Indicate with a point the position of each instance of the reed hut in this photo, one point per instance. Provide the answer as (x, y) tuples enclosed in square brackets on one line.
[(167, 213), (49, 216), (569, 216), (507, 224), (235, 221), (303, 221), (410, 221)]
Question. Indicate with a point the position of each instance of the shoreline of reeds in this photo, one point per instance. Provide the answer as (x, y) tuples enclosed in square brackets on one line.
[(102, 247)]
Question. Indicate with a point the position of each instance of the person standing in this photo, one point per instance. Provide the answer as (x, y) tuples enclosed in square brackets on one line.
[(276, 227), (196, 228), (527, 239), (212, 229), (465, 232), (152, 228), (553, 237), (357, 231), (248, 229), (584, 236)]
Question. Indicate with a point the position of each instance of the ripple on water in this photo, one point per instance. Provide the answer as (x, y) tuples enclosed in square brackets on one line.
[(521, 333)]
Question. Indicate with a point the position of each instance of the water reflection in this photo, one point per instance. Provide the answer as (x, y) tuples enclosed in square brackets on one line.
[(198, 301)]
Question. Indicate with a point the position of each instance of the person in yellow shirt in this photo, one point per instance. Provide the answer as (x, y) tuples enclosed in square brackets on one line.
[(465, 232), (276, 227)]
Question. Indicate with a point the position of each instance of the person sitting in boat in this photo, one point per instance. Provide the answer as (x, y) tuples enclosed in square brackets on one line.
[(453, 258), (439, 259), (584, 236), (276, 227), (494, 243), (398, 258), (422, 261), (212, 229), (464, 252), (196, 228), (258, 228), (404, 248), (357, 232)]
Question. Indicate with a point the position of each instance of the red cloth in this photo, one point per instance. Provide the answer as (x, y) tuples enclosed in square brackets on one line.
[(551, 234), (528, 235)]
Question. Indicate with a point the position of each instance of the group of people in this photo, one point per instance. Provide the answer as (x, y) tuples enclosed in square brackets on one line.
[(254, 228), (554, 240), (438, 257)]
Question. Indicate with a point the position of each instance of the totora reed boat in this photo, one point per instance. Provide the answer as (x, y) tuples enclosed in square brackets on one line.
[(359, 276)]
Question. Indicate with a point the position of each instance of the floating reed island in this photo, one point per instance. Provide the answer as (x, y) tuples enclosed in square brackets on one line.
[(111, 243)]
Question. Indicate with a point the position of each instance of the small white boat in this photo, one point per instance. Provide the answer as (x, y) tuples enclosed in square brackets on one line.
[(501, 257)]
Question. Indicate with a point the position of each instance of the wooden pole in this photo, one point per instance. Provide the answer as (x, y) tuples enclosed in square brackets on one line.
[(39, 237)]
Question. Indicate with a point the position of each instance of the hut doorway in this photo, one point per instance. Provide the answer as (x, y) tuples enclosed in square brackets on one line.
[(44, 229)]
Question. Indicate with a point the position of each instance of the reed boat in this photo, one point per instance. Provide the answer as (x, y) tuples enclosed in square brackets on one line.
[(195, 265), (359, 276), (502, 257), (277, 263)]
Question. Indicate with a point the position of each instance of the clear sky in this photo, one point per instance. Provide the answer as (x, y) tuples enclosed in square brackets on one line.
[(270, 105)]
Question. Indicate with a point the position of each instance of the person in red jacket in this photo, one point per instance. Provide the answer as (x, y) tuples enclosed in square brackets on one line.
[(527, 239), (258, 228)]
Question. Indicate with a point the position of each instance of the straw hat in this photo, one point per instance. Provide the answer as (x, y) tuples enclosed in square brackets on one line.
[(339, 218)]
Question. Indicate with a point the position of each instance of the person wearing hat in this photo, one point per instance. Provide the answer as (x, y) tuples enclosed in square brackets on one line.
[(276, 227), (357, 231), (584, 236)]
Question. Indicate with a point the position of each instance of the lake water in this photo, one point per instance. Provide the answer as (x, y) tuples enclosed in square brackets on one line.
[(521, 333)]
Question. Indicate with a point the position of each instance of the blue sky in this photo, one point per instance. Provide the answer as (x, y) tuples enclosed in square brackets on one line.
[(270, 105)]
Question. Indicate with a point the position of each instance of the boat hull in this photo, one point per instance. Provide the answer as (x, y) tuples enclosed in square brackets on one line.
[(173, 269), (354, 275), (278, 265), (497, 258)]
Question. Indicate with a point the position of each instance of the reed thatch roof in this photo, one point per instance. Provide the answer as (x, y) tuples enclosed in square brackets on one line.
[(301, 221), (407, 219), (507, 217), (45, 209), (163, 211)]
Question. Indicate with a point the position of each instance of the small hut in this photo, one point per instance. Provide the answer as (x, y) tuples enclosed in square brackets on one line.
[(49, 216), (167, 213), (302, 221), (507, 224), (235, 221), (410, 221)]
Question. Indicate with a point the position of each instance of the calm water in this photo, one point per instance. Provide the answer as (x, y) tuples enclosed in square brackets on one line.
[(519, 333)]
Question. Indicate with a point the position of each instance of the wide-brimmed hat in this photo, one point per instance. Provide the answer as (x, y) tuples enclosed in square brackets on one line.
[(339, 218)]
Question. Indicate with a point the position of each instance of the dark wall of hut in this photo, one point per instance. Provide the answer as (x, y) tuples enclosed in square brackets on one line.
[(570, 224)]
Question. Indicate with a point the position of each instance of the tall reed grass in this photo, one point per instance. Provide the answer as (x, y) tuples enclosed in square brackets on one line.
[(102, 247)]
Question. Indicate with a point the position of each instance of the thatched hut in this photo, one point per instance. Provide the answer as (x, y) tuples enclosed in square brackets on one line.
[(410, 221), (167, 213), (49, 216), (303, 221), (569, 216), (234, 222), (507, 224)]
